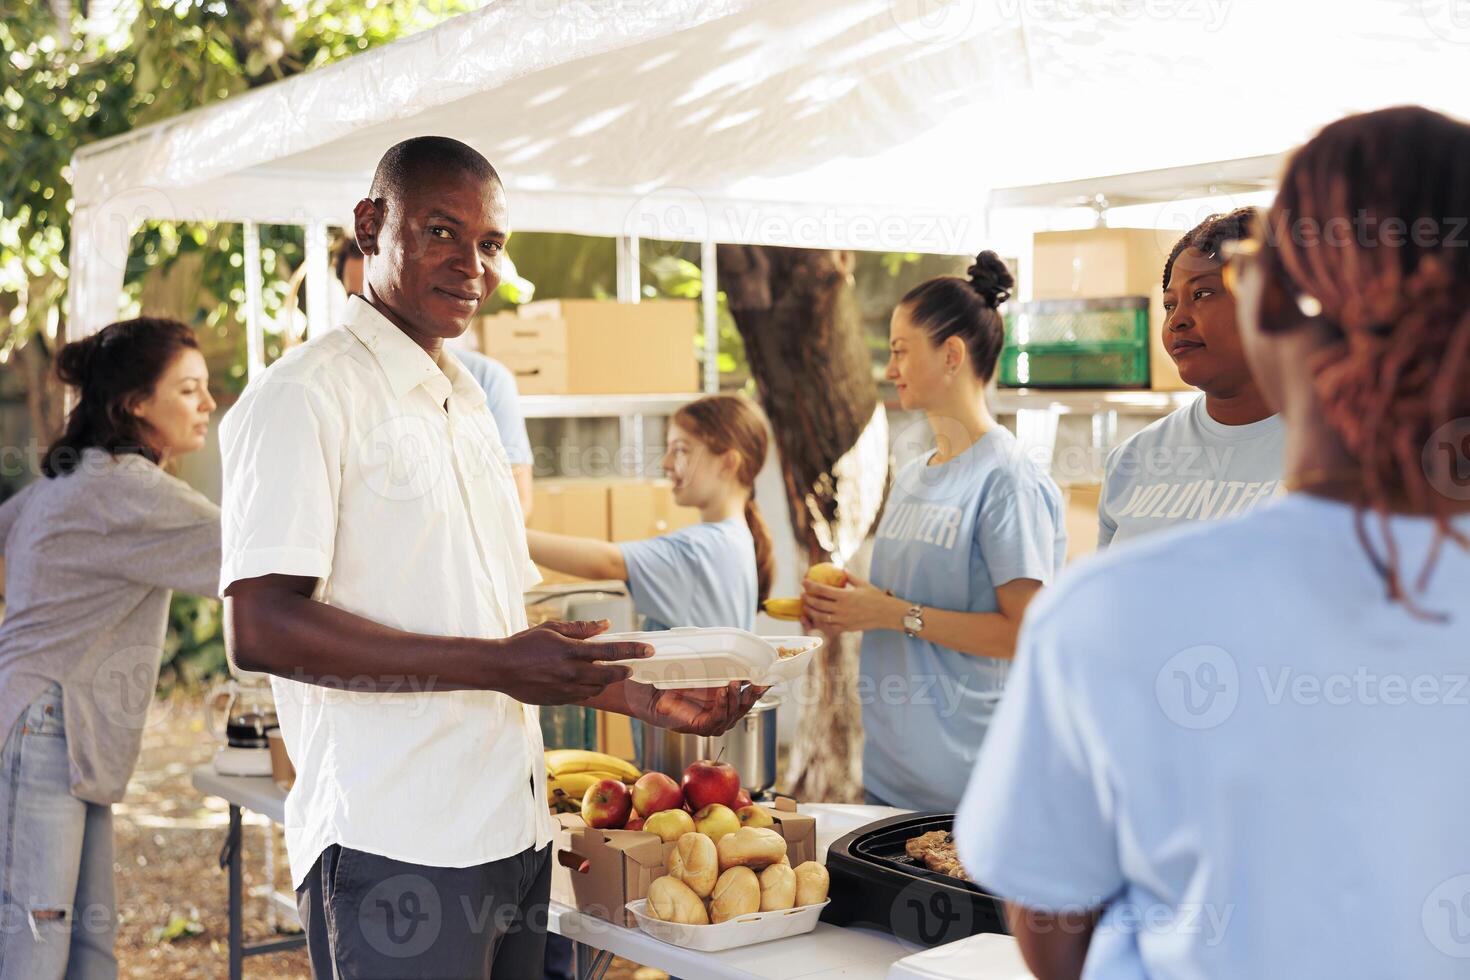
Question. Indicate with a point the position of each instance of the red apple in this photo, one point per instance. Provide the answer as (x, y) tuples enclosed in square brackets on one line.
[(655, 791), (742, 800), (635, 822), (706, 783), (606, 803)]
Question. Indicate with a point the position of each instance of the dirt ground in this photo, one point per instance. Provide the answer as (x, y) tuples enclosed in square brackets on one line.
[(168, 841)]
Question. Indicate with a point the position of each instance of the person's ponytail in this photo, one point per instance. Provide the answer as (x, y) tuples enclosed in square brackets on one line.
[(726, 423), (765, 552)]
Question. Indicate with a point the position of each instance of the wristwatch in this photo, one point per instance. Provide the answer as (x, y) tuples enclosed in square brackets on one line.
[(913, 621)]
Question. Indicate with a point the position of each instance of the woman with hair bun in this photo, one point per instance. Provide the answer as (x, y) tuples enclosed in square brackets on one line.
[(1237, 750), (92, 553), (970, 533)]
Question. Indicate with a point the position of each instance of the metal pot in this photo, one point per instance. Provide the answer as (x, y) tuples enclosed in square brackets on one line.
[(750, 747)]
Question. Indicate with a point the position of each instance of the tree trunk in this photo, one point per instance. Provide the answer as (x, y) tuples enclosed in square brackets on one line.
[(795, 312)]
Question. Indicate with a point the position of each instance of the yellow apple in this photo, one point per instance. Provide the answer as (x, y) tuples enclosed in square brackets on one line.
[(669, 824), (826, 573), (715, 821), (755, 816)]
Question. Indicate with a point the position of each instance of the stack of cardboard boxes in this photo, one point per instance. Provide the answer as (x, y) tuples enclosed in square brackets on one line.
[(594, 347), (606, 510)]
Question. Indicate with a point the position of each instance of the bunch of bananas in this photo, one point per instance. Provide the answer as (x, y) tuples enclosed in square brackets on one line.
[(569, 772)]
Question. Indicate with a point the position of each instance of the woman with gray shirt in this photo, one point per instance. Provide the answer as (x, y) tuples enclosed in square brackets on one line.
[(91, 555)]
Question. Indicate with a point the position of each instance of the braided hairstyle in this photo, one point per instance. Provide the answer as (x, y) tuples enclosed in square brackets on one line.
[(113, 370), (948, 306), (1370, 221), (1210, 234)]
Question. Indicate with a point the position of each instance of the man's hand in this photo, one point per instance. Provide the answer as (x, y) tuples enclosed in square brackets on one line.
[(554, 664), (711, 711)]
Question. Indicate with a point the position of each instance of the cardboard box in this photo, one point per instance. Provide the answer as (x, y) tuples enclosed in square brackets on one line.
[(578, 507), (1103, 262), (1082, 500), (597, 347), (623, 863), (645, 508)]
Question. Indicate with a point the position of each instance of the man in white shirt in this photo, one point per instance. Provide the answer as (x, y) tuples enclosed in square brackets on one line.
[(495, 379), (374, 560)]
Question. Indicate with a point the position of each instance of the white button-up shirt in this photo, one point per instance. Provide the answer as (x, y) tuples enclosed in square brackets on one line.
[(358, 461)]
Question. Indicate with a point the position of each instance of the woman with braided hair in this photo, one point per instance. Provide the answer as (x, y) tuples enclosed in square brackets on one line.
[(1263, 775)]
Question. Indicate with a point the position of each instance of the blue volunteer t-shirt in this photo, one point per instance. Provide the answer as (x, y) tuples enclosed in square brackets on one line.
[(702, 575), (1187, 467), (1231, 738), (503, 401), (949, 536)]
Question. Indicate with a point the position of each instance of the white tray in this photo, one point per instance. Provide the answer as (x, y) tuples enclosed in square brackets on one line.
[(758, 927), (694, 657), (790, 668)]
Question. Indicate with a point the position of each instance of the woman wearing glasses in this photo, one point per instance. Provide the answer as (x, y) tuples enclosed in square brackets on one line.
[(1220, 455), (1268, 783)]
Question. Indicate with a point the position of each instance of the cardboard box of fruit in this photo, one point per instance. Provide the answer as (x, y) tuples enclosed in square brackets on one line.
[(611, 852)]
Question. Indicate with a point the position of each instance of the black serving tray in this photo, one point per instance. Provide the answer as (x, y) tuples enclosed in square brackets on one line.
[(875, 884)]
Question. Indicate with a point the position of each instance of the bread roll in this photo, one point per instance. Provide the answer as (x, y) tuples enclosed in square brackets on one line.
[(778, 888), (811, 883), (738, 892), (751, 847), (695, 862), (671, 900)]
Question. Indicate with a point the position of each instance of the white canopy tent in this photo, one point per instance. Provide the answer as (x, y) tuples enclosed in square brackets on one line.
[(920, 125)]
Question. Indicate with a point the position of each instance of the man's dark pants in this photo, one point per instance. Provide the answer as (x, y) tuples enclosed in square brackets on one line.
[(368, 917)]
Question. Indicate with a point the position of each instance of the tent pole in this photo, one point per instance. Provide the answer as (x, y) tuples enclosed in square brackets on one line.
[(317, 271), (629, 286), (254, 315), (709, 298)]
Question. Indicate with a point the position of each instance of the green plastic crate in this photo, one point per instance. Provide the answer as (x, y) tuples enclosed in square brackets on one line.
[(1076, 343)]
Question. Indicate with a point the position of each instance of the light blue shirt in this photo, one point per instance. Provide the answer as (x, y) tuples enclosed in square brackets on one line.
[(702, 575), (1187, 467), (1234, 740), (949, 536), (503, 401)]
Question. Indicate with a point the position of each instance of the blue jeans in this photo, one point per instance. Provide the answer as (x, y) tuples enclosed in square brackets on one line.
[(58, 915)]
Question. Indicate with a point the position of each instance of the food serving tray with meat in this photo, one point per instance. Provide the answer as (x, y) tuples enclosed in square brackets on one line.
[(902, 875)]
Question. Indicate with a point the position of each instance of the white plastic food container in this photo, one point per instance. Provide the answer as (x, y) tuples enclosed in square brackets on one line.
[(747, 930), (793, 667), (695, 657)]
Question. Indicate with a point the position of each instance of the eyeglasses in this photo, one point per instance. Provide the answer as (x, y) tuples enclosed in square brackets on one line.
[(1245, 256)]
